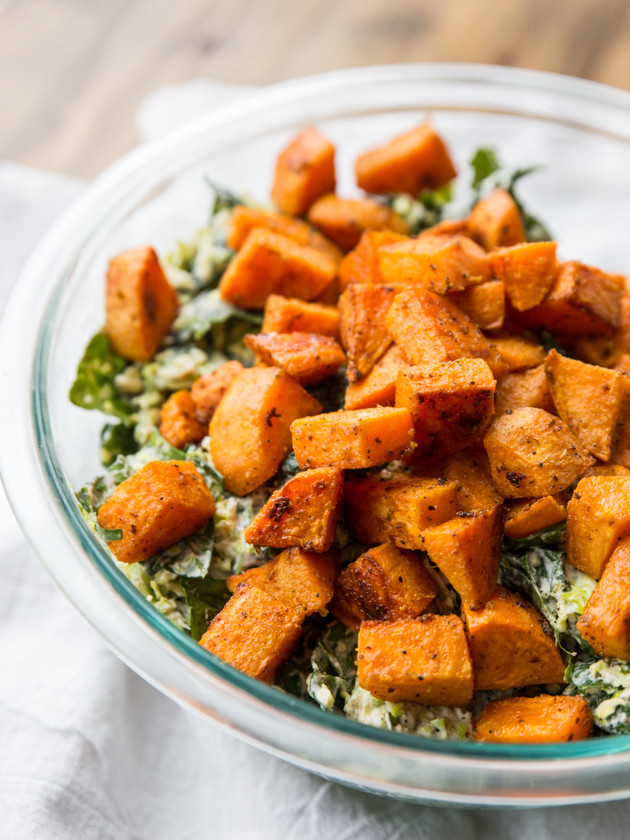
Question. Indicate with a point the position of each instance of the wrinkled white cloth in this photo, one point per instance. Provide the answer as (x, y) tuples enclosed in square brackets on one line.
[(89, 751)]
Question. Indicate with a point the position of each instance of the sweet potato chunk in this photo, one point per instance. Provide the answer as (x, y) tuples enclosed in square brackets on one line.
[(598, 518), (379, 386), (161, 503), (250, 430), (605, 623), (307, 357), (545, 719), (451, 404), (363, 331), (344, 219), (269, 263), (383, 584), (593, 401), (411, 162), (467, 550), (361, 264), (430, 329), (518, 353), (208, 391), (398, 509), (300, 579), (352, 440), (303, 512), (528, 516), (484, 304), (608, 351), (305, 170), (423, 660), (287, 315), (470, 470), (254, 632), (524, 389), (178, 421), (528, 271), (495, 221), (140, 304), (511, 644), (533, 453)]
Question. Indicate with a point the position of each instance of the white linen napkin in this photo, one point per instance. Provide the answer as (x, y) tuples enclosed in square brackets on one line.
[(89, 751)]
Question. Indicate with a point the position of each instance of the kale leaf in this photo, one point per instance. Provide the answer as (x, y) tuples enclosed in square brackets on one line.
[(94, 386)]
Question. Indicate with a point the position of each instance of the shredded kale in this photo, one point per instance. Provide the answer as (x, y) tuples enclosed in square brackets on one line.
[(605, 684), (201, 317), (204, 598), (116, 439), (94, 387), (333, 667), (484, 163)]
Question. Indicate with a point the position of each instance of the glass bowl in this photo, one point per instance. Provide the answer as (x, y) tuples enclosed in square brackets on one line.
[(578, 132)]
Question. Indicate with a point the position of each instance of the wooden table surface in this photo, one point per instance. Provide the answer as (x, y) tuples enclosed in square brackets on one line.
[(72, 72)]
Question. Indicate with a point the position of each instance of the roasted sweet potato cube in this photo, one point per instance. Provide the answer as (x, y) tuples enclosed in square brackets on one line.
[(361, 264), (533, 454), (300, 579), (467, 550), (598, 518), (269, 263), (250, 430), (484, 304), (545, 719), (178, 421), (470, 470), (363, 331), (254, 632), (517, 352), (303, 512), (379, 386), (593, 401), (352, 440), (451, 404), (397, 509), (495, 221), (421, 660), (607, 469), (383, 584), (208, 391), (307, 357), (608, 351), (305, 170), (344, 219), (287, 315), (161, 503), (140, 304), (511, 644), (524, 389), (605, 623), (430, 328), (527, 516), (528, 271), (411, 162)]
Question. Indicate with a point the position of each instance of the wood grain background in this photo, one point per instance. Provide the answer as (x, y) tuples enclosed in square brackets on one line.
[(72, 72)]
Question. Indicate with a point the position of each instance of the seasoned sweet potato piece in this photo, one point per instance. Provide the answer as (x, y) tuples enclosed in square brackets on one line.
[(470, 470), (307, 357), (344, 219), (605, 623), (467, 550), (397, 509), (598, 518), (379, 386), (140, 304), (363, 331), (287, 315), (511, 644), (422, 660), (527, 516), (545, 719), (608, 352), (484, 304), (361, 264), (208, 391), (495, 221), (300, 579), (607, 469), (254, 632), (524, 389), (303, 512), (250, 430), (517, 352), (533, 453), (430, 328), (411, 162), (305, 170), (383, 584), (447, 227), (528, 271), (161, 503), (269, 263), (451, 404), (593, 401), (178, 421), (352, 440)]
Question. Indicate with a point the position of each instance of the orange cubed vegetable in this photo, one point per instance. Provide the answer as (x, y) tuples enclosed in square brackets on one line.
[(545, 719), (528, 271), (305, 170), (608, 351), (470, 470), (379, 386), (517, 352), (421, 660), (484, 304), (178, 421), (605, 623), (287, 315), (307, 357), (383, 584), (607, 469), (208, 391), (363, 332), (140, 304), (524, 389), (161, 503), (250, 430), (303, 512), (361, 264), (511, 644), (409, 163), (527, 516), (495, 221), (344, 219)]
